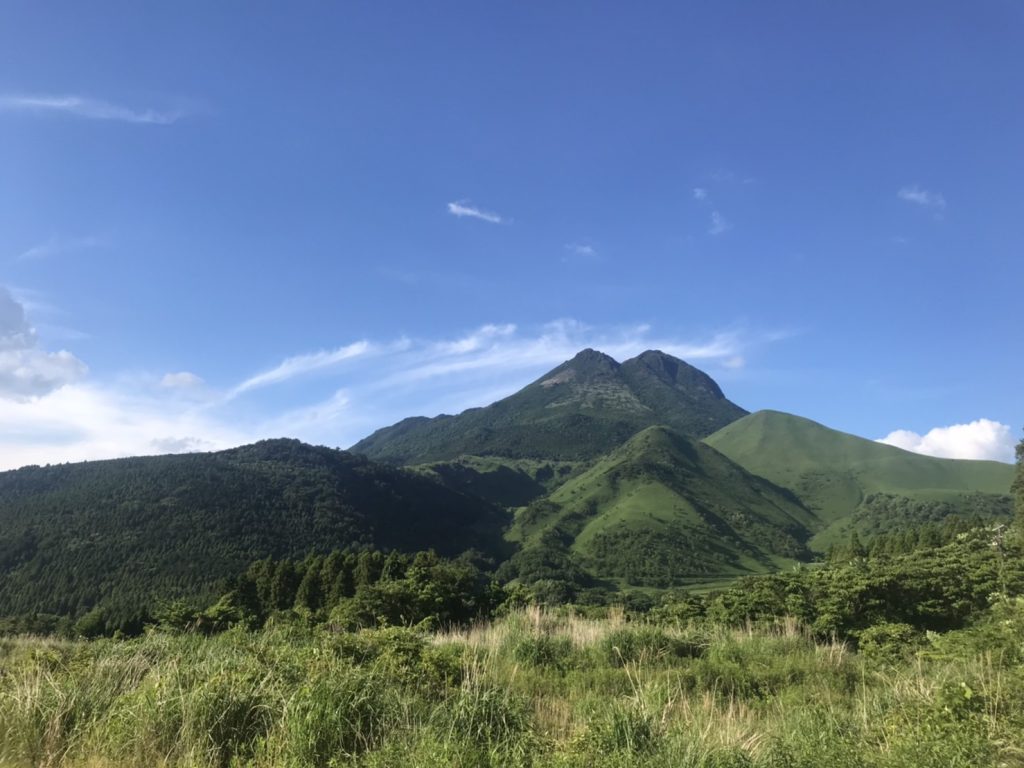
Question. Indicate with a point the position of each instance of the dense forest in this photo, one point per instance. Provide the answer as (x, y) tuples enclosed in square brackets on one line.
[(121, 534)]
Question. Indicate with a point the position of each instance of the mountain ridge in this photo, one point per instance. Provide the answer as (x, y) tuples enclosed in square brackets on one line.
[(579, 410)]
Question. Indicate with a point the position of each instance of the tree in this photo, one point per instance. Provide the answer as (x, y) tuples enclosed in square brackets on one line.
[(1018, 490)]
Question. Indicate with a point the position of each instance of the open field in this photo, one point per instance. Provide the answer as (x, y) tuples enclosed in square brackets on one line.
[(533, 688)]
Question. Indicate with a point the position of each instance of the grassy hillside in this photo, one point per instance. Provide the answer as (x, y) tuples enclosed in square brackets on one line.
[(580, 410), (664, 509), (120, 532), (833, 473)]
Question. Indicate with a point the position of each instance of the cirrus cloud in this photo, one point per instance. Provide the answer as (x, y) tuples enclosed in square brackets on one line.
[(85, 107), (462, 208)]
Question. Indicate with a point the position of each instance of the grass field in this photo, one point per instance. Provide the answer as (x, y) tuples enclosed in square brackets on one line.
[(532, 689)]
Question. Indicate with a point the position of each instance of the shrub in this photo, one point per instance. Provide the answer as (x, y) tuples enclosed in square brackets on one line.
[(888, 642), (648, 644)]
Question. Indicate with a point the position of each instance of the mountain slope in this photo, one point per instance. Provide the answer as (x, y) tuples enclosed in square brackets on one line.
[(123, 531), (580, 410), (834, 473), (665, 509)]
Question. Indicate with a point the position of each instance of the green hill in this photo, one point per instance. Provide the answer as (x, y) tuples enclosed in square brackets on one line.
[(120, 532), (661, 510), (834, 473), (580, 410)]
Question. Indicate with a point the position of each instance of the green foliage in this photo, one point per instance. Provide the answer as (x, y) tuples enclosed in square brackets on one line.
[(888, 642), (576, 412), (929, 589), (543, 651), (119, 535), (833, 472), (647, 644), (293, 696), (659, 511), (1018, 489)]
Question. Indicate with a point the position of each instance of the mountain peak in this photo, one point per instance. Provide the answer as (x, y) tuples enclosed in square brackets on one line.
[(585, 407), (591, 357), (675, 372)]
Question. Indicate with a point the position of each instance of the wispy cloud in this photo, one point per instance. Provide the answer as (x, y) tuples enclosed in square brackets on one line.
[(923, 197), (301, 365), (56, 244), (358, 387), (580, 253), (979, 439), (463, 208), (699, 193), (719, 224), (85, 107), (180, 380)]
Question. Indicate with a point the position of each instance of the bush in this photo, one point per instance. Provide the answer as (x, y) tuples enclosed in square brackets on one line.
[(889, 642), (648, 644), (544, 651)]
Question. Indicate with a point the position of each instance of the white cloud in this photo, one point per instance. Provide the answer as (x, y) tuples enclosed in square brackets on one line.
[(359, 387), (182, 445), (180, 380), (500, 351), (719, 224), (699, 193), (580, 249), (475, 340), (82, 421), (980, 439), (463, 208), (25, 370), (919, 196), (85, 107), (301, 365)]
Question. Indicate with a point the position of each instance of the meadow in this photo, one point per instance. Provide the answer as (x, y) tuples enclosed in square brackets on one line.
[(533, 687)]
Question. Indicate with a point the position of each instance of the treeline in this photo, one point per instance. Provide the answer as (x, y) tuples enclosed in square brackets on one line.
[(347, 589), (901, 542), (115, 535), (931, 588)]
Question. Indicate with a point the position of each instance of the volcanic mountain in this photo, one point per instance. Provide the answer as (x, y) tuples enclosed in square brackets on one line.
[(582, 409)]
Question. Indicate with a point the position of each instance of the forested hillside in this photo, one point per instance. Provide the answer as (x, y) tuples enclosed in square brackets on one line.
[(122, 533)]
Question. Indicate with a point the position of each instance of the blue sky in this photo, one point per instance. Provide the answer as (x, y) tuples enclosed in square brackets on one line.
[(221, 222)]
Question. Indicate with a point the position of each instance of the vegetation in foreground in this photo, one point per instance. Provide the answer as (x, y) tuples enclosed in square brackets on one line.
[(532, 688)]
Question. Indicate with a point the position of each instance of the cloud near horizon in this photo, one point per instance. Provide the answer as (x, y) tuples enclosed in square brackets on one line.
[(979, 439), (333, 397), (85, 107)]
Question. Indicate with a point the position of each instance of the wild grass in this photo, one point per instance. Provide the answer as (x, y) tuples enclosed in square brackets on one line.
[(535, 688)]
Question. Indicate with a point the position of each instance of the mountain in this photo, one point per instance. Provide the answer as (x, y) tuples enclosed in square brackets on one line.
[(121, 532), (841, 477), (580, 410), (664, 509)]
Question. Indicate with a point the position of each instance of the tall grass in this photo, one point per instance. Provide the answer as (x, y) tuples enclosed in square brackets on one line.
[(535, 688)]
